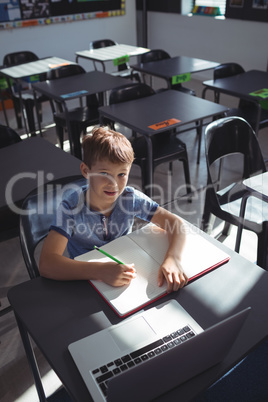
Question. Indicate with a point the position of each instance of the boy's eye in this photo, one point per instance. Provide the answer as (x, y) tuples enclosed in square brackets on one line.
[(122, 174), (104, 173)]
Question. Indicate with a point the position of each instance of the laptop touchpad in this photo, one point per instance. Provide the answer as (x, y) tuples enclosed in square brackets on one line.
[(132, 333)]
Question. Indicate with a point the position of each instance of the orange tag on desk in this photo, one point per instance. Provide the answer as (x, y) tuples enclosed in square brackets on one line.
[(58, 65), (165, 123)]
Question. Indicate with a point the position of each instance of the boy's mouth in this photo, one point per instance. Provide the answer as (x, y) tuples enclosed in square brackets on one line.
[(110, 193)]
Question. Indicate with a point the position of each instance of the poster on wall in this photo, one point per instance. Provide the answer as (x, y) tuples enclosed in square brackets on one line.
[(236, 3), (22, 13), (251, 10), (260, 4)]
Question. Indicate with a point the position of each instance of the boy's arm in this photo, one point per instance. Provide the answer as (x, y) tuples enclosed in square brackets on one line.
[(54, 265), (171, 268)]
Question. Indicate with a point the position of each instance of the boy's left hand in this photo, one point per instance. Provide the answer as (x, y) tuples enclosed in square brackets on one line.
[(171, 270)]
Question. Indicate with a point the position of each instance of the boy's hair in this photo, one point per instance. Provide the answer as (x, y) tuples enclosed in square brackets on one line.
[(104, 143)]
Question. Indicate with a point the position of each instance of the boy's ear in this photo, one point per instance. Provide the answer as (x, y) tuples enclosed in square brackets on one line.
[(84, 170)]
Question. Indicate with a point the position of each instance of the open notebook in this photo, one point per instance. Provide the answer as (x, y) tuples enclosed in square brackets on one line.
[(146, 248)]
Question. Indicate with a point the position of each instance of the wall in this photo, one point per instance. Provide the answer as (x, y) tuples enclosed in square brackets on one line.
[(244, 42), (64, 39)]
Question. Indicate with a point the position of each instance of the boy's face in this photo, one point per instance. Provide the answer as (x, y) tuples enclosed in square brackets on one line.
[(107, 181)]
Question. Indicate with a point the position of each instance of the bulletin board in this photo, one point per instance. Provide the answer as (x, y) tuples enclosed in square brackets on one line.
[(25, 13)]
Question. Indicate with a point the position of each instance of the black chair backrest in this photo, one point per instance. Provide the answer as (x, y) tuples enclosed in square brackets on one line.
[(130, 92), (233, 135), (154, 55), (16, 58), (65, 71), (96, 44), (8, 136), (40, 207), (227, 70)]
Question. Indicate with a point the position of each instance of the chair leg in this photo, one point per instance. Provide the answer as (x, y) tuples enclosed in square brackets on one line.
[(17, 110), (60, 135), (76, 134), (187, 177), (208, 220), (170, 168), (226, 229), (29, 107), (262, 251)]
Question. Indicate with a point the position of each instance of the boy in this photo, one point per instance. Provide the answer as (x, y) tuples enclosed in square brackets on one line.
[(103, 211)]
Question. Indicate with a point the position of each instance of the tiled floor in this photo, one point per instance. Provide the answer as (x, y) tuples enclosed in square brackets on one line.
[(16, 382)]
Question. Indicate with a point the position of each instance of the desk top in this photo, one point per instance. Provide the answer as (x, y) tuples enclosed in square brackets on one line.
[(34, 67), (26, 165), (162, 107), (110, 53), (72, 310), (241, 85), (168, 68), (79, 85)]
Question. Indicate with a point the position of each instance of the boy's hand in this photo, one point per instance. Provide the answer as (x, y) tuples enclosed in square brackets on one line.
[(117, 274), (171, 270)]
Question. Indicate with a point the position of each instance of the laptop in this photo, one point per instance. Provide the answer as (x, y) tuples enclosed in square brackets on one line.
[(148, 347)]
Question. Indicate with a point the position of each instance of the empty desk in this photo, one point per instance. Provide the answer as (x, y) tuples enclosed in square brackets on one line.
[(118, 54), (176, 69), (32, 68), (161, 112), (75, 87)]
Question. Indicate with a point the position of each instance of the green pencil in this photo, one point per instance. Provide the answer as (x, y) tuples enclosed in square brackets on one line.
[(108, 255)]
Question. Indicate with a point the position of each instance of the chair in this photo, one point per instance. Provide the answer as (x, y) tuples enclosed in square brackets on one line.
[(41, 205), (159, 54), (233, 154), (14, 59), (80, 117), (8, 136), (124, 69), (166, 147), (250, 111)]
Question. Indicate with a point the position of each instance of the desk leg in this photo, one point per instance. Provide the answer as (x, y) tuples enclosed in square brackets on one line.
[(199, 130), (37, 114), (68, 127), (31, 359), (23, 112)]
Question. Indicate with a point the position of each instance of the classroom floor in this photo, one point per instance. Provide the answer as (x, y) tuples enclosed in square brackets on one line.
[(16, 381)]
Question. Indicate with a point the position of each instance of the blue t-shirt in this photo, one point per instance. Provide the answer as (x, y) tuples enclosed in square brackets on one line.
[(86, 228)]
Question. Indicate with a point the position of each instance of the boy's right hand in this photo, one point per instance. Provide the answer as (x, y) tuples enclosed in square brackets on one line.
[(116, 274)]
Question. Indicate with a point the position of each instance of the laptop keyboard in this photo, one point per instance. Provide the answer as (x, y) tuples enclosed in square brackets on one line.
[(104, 373)]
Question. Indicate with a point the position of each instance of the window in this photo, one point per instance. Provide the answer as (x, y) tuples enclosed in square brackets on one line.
[(212, 3)]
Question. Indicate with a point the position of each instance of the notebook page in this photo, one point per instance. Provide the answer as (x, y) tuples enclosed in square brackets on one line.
[(198, 255), (142, 289)]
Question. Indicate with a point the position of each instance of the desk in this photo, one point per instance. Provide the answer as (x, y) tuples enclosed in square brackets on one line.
[(140, 114), (111, 53), (78, 86), (176, 69), (26, 165), (25, 70), (56, 313), (240, 86)]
